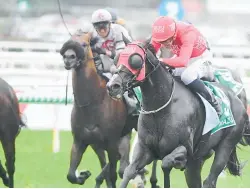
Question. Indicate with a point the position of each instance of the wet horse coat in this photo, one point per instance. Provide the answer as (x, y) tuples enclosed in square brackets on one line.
[(96, 118), (10, 125), (171, 126)]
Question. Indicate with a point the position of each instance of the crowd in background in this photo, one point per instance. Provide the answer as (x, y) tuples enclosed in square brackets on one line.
[(35, 20)]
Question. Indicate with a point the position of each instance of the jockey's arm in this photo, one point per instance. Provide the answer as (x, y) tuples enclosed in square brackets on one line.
[(119, 46), (122, 38), (156, 46), (165, 53), (188, 41)]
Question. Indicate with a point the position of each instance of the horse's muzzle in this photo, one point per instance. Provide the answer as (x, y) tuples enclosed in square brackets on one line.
[(115, 90), (68, 65)]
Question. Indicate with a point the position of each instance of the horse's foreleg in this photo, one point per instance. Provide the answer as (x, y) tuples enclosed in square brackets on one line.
[(193, 173), (143, 171), (141, 157), (193, 170), (177, 159), (105, 168), (77, 150), (3, 175), (166, 172), (9, 151), (113, 156), (124, 149), (153, 178)]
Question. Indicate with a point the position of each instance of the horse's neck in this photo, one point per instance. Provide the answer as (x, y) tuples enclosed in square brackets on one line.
[(88, 87), (157, 89)]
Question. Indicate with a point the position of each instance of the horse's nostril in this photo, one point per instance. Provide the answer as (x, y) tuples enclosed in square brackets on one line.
[(66, 63), (116, 86)]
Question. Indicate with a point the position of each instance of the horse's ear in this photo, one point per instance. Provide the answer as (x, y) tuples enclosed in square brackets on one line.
[(89, 36), (147, 42), (151, 57)]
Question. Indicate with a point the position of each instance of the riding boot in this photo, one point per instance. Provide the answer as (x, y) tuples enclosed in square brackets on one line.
[(131, 102), (199, 87)]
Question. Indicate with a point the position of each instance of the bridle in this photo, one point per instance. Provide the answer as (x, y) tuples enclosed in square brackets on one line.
[(133, 83)]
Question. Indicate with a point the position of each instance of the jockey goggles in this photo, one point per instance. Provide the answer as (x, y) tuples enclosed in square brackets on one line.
[(101, 25)]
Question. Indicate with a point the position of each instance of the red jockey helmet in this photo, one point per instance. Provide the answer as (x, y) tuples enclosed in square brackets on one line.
[(163, 29)]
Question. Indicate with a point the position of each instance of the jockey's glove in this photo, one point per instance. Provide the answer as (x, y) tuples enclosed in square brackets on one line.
[(99, 50), (93, 41), (165, 64)]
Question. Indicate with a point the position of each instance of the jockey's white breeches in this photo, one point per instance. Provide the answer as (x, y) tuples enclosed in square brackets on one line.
[(197, 68)]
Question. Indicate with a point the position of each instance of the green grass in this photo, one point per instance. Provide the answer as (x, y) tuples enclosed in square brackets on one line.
[(37, 166)]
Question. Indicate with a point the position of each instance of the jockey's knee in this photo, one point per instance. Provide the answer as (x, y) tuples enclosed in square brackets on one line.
[(188, 76)]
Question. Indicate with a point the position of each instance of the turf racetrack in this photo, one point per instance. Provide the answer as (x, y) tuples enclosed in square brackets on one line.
[(37, 166)]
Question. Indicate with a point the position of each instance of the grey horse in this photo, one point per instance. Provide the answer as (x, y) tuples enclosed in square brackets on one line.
[(171, 123)]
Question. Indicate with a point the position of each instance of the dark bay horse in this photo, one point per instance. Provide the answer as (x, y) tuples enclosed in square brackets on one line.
[(96, 118), (171, 123), (10, 125)]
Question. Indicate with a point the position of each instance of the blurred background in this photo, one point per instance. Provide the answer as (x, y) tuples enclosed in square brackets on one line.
[(31, 34), (223, 22)]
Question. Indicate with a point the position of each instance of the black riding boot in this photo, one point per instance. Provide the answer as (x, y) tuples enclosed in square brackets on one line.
[(198, 86)]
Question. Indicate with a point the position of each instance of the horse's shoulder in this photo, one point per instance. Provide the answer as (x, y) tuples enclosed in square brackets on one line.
[(187, 94)]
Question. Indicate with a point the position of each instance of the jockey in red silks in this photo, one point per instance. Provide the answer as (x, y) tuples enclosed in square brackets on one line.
[(192, 58)]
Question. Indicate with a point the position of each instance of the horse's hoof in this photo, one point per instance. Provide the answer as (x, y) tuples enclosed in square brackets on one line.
[(155, 186), (72, 179), (183, 168), (84, 175), (144, 171), (140, 185), (6, 182)]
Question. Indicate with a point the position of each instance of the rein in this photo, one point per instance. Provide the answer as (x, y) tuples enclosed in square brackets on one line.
[(145, 112), (66, 87), (77, 103), (134, 83)]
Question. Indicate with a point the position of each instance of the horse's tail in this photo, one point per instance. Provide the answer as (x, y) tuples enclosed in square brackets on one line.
[(233, 164)]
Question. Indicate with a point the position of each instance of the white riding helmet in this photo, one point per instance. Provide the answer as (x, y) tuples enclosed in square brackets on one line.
[(101, 15)]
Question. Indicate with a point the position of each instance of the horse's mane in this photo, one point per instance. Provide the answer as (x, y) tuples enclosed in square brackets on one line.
[(149, 46)]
